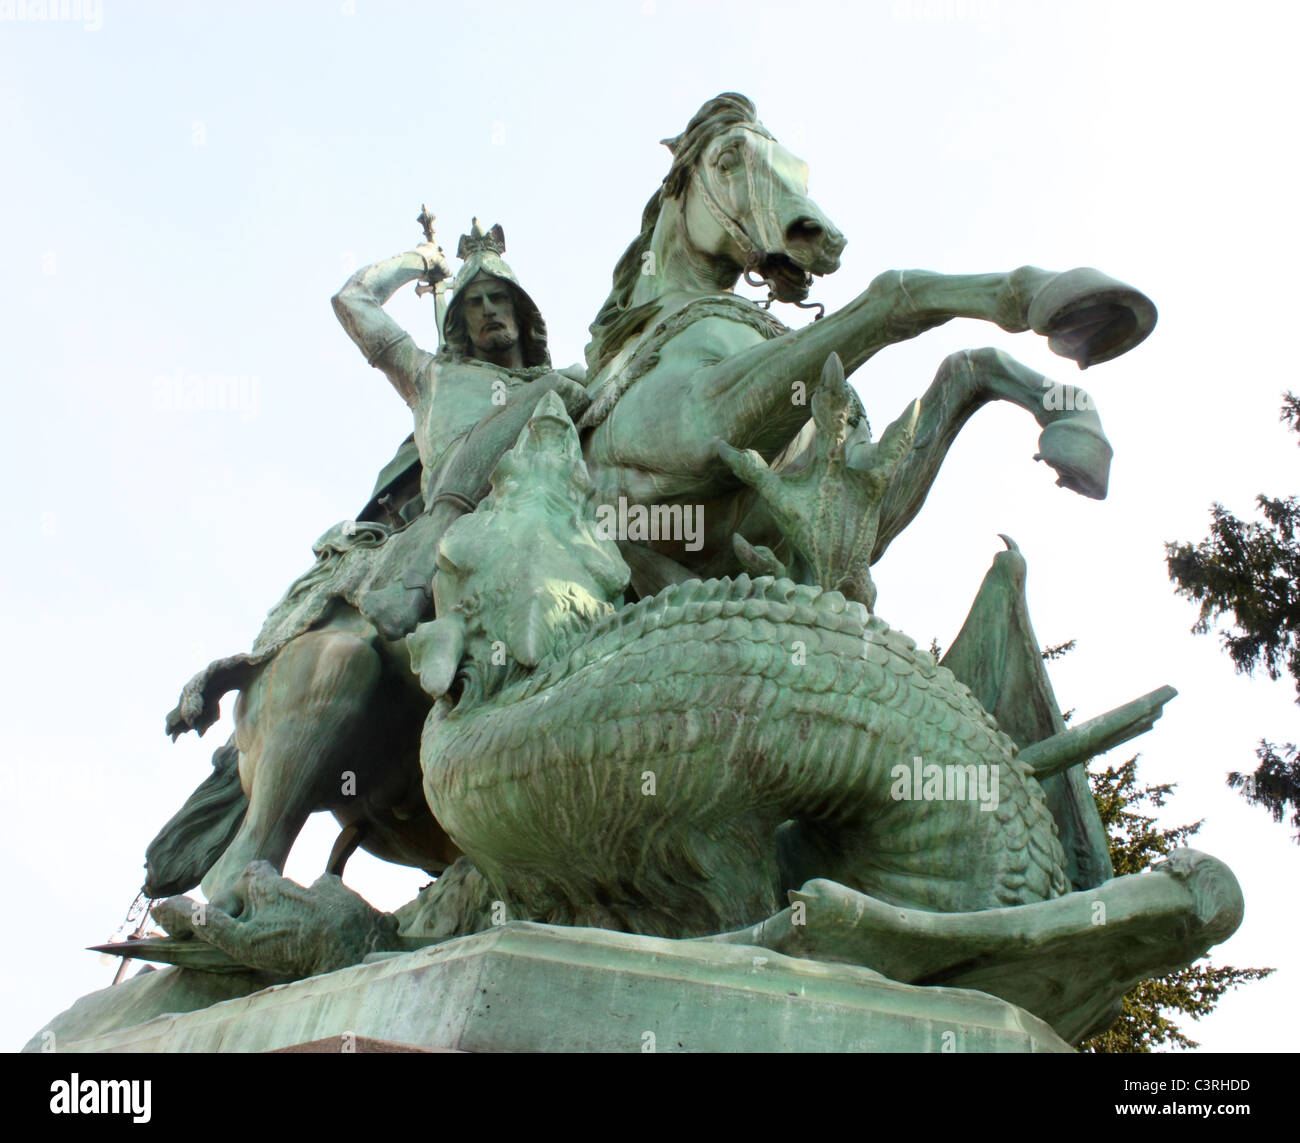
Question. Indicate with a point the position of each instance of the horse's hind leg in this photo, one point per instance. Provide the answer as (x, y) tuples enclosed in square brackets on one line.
[(1072, 440), (299, 727)]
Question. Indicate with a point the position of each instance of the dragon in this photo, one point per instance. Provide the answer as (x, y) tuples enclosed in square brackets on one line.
[(682, 765)]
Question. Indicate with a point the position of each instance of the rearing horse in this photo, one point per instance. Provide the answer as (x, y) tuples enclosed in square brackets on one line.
[(678, 363)]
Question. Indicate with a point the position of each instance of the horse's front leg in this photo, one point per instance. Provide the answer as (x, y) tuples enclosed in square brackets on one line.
[(1072, 441), (1084, 315)]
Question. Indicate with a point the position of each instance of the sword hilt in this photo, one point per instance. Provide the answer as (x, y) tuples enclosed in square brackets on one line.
[(426, 220), (437, 289)]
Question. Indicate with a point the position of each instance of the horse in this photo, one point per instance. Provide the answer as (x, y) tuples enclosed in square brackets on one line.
[(679, 363), (332, 719)]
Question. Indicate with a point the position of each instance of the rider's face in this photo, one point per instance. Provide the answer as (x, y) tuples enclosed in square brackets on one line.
[(490, 318)]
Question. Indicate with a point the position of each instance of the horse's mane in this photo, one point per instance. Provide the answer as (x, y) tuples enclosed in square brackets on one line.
[(617, 321)]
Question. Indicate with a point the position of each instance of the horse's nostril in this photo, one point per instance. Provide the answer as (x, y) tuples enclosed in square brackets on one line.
[(804, 230)]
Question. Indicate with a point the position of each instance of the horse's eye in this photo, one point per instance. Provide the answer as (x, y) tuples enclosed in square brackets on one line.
[(727, 160)]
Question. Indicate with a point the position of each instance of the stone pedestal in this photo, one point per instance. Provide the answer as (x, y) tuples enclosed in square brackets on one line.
[(537, 988)]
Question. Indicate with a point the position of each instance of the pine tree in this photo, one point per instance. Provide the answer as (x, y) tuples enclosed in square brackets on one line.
[(1251, 571), (1135, 844), (1275, 784)]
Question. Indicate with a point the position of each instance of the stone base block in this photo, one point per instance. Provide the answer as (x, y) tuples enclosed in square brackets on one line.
[(538, 988)]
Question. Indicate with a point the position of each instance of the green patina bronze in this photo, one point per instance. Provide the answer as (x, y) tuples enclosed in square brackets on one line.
[(697, 727)]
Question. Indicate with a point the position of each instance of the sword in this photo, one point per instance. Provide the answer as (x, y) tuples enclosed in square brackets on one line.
[(438, 289)]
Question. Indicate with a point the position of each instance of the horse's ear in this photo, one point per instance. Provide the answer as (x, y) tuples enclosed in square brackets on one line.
[(672, 143)]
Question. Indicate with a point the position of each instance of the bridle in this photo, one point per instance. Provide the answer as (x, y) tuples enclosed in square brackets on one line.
[(767, 241)]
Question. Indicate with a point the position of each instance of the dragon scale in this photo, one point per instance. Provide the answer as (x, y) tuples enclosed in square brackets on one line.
[(793, 704)]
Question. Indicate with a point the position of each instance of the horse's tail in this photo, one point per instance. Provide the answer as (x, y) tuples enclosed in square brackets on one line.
[(190, 843)]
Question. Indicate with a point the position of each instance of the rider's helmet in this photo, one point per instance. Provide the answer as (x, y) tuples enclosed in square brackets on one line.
[(481, 253)]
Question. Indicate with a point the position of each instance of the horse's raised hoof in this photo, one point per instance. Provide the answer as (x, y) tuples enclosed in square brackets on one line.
[(1090, 317), (1081, 455)]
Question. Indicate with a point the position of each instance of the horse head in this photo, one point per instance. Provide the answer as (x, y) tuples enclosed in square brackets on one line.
[(745, 199), (524, 572), (734, 200)]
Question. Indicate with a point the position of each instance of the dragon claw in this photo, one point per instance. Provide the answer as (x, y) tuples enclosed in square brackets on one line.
[(829, 510)]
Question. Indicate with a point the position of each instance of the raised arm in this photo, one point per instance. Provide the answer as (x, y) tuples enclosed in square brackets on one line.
[(359, 306)]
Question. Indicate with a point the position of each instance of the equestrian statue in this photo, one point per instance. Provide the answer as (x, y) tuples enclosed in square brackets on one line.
[(603, 649)]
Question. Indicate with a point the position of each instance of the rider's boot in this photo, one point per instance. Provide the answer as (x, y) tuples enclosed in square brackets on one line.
[(397, 609)]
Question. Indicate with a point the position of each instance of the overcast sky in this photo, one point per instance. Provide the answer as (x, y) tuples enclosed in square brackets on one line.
[(186, 185)]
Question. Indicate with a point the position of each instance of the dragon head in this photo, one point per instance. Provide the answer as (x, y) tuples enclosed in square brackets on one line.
[(527, 570)]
